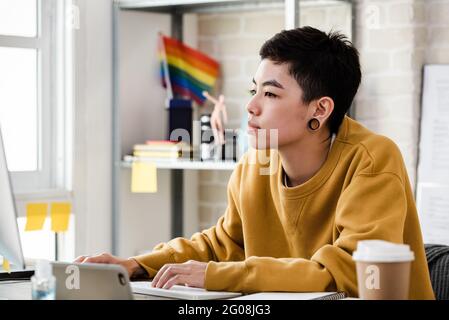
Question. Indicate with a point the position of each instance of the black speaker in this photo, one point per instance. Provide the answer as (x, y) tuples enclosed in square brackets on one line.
[(180, 117)]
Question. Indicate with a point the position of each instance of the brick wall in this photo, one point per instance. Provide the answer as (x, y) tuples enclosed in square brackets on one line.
[(391, 37), (437, 46), (395, 39), (235, 39)]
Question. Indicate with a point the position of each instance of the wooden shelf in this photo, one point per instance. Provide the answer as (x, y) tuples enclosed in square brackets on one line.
[(187, 164)]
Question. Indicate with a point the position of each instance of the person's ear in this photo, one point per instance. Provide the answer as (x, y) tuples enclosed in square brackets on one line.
[(323, 109)]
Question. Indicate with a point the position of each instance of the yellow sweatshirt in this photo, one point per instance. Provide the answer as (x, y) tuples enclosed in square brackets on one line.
[(275, 238)]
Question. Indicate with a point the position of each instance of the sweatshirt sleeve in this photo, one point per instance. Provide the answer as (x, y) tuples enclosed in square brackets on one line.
[(373, 206), (222, 242)]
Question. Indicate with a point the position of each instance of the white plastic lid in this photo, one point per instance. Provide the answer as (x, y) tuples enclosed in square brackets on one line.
[(382, 251), (43, 269)]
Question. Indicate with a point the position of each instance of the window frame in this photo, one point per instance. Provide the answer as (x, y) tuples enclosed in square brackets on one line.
[(53, 182), (53, 123)]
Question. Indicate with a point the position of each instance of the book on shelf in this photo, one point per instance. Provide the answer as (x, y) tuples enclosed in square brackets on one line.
[(161, 150), (131, 158), (169, 146), (157, 154)]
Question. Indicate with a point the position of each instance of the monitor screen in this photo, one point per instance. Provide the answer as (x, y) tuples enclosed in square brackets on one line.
[(10, 245)]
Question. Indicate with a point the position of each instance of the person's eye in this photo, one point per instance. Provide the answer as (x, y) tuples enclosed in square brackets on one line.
[(252, 92), (270, 95)]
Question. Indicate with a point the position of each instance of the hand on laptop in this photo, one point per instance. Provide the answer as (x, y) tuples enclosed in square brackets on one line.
[(191, 273), (130, 265)]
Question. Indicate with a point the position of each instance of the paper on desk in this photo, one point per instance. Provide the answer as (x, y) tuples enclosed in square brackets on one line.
[(6, 265), (433, 206), (60, 215), (433, 167), (36, 214), (143, 177), (286, 296)]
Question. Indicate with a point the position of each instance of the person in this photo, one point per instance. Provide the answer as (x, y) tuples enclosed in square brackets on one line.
[(331, 182)]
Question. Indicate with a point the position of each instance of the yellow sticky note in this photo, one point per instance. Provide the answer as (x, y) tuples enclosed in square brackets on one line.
[(144, 177), (36, 214), (6, 265), (60, 215)]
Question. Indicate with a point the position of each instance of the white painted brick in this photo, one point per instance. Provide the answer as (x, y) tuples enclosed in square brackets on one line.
[(231, 68), (219, 211), (213, 193), (389, 39), (420, 37), (407, 59), (251, 66), (207, 175), (405, 107), (397, 130), (314, 17), (374, 61), (264, 24), (248, 14), (338, 17), (206, 213), (388, 85), (236, 88), (223, 176), (419, 12), (371, 14), (235, 110), (222, 26), (439, 36), (437, 12), (240, 46), (207, 46), (404, 13), (437, 55)]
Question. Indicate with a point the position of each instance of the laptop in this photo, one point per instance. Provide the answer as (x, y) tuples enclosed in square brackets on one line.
[(181, 292), (91, 281)]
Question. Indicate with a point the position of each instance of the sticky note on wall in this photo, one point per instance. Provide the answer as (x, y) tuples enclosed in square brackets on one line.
[(144, 177), (6, 265), (36, 214), (60, 216)]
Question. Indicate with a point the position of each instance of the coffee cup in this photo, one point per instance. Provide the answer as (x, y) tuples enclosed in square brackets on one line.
[(383, 270)]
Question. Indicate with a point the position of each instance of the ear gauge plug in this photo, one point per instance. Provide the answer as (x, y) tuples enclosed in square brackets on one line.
[(314, 124)]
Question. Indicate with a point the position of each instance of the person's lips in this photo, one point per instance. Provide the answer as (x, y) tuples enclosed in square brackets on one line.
[(252, 127)]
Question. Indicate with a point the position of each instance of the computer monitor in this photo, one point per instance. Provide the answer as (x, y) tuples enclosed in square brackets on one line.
[(10, 245)]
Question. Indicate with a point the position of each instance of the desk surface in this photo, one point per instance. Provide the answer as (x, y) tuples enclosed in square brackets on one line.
[(21, 290)]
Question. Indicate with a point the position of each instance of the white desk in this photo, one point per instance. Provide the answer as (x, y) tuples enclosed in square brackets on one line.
[(21, 290)]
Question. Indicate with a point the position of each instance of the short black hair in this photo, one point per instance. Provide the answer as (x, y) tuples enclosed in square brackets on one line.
[(322, 64)]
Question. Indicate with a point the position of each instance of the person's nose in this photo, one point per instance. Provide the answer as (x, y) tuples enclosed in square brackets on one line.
[(253, 107)]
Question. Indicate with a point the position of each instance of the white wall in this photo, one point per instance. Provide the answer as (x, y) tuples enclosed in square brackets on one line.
[(144, 219), (234, 39), (92, 112)]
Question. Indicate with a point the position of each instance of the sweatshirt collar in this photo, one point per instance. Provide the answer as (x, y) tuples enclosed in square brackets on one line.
[(323, 173)]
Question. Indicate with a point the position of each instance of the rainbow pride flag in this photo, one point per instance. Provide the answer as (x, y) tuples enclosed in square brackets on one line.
[(190, 71)]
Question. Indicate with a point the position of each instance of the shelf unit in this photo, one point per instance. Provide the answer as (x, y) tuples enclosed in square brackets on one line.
[(176, 9), (187, 164)]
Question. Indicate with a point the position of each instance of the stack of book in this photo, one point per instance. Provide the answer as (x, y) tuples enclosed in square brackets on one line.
[(162, 151)]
